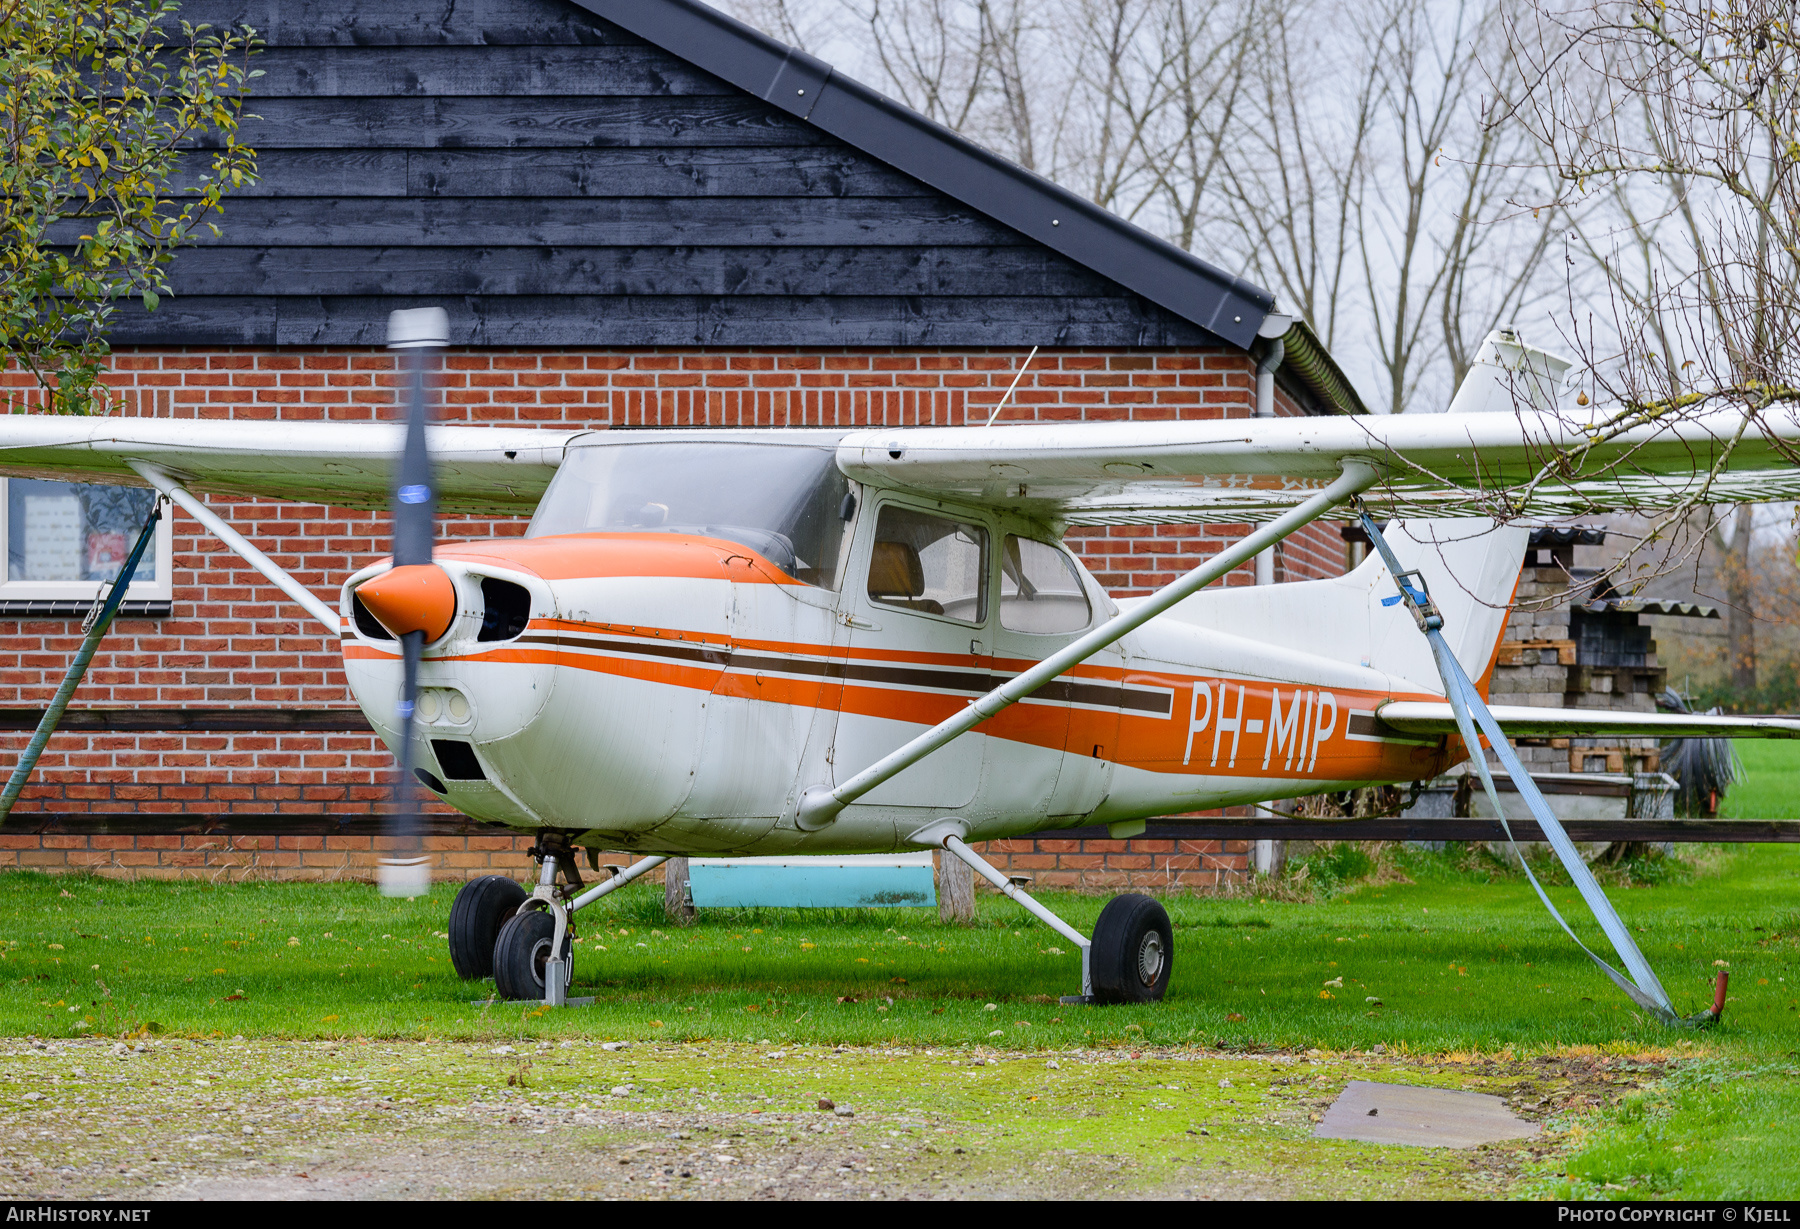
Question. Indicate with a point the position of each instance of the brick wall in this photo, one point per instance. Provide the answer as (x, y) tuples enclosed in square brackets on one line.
[(1082, 865), (233, 641), (227, 858)]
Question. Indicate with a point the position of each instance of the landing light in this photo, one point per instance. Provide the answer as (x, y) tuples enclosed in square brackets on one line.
[(442, 704)]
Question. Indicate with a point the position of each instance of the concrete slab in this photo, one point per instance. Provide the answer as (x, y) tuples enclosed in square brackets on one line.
[(1424, 1117)]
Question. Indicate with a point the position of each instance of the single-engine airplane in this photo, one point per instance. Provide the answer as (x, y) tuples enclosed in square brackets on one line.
[(862, 640)]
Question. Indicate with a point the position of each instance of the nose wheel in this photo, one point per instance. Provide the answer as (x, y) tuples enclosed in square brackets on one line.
[(522, 956)]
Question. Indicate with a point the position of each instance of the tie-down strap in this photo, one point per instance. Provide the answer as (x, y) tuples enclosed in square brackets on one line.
[(1642, 986)]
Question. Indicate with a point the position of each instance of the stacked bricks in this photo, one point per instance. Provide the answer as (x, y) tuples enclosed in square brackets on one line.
[(1538, 665), (1535, 655), (234, 641)]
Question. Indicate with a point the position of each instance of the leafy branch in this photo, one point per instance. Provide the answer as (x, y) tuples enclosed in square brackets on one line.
[(103, 116)]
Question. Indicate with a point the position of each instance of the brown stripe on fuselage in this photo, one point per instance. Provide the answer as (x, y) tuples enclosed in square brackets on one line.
[(1120, 715)]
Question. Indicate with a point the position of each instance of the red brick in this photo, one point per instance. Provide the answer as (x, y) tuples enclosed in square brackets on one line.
[(231, 642)]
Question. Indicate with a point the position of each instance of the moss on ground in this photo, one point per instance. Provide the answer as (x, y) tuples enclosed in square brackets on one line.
[(1439, 969), (185, 1118)]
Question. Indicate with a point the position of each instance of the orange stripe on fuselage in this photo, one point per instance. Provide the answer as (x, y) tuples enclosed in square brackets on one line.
[(1153, 743), (582, 556)]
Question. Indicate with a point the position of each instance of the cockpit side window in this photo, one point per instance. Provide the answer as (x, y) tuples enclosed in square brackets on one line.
[(931, 564), (1040, 591)]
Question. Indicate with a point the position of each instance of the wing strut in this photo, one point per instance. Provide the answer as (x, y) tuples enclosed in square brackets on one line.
[(237, 542), (1642, 986), (819, 806)]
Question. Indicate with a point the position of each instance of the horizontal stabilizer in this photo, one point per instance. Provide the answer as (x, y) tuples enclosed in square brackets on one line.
[(1520, 721)]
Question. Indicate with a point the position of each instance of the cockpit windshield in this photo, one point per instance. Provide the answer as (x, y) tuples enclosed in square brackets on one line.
[(784, 501)]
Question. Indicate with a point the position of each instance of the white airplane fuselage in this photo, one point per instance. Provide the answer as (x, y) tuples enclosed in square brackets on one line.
[(676, 692)]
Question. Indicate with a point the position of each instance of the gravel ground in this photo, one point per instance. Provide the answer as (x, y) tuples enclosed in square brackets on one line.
[(234, 1119)]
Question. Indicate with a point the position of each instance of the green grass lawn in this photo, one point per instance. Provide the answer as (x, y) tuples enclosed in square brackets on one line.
[(1447, 962), (1455, 962), (1773, 788)]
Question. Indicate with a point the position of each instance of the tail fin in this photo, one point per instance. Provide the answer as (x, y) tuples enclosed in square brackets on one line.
[(1471, 568)]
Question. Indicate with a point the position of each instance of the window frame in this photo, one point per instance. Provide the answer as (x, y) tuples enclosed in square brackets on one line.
[(990, 561), (162, 589), (1083, 581)]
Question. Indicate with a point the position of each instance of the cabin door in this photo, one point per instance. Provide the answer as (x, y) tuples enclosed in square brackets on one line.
[(916, 600)]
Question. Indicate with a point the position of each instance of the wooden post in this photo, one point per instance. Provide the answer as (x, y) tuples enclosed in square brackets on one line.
[(675, 892), (956, 889)]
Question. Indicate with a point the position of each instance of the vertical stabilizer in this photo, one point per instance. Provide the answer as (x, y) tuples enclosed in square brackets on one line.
[(1509, 374), (1471, 568)]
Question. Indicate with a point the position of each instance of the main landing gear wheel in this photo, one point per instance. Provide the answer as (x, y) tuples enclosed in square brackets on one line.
[(1133, 951), (481, 909), (523, 950)]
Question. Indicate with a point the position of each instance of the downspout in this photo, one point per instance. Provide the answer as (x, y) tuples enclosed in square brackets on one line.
[(1267, 857), (1265, 408)]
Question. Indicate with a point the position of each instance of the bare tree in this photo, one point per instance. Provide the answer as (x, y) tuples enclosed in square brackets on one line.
[(1292, 190), (1392, 203), (1682, 117), (1175, 75), (1431, 227), (1335, 151)]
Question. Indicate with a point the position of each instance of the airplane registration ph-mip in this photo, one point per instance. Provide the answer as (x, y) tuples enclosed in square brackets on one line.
[(803, 641)]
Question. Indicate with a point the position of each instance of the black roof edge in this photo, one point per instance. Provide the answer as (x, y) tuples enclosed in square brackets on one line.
[(807, 87)]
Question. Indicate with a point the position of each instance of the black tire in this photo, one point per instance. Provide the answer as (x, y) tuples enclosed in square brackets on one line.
[(521, 953), (481, 909), (1134, 951)]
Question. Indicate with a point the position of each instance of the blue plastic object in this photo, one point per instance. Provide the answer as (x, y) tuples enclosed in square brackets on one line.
[(803, 884)]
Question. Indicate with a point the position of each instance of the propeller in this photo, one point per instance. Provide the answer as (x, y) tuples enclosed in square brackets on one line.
[(415, 600)]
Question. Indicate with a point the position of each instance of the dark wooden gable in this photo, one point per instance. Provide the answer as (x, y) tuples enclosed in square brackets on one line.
[(553, 180)]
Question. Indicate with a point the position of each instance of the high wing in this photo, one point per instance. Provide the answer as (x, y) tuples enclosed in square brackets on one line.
[(1520, 721), (1237, 470), (1226, 470), (479, 469)]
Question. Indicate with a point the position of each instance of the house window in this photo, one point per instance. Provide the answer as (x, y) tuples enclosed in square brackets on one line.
[(65, 540)]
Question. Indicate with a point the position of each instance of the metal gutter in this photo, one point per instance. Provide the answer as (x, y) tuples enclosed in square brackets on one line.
[(809, 89), (1306, 357)]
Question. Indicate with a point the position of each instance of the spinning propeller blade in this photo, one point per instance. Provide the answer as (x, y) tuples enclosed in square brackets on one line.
[(410, 600)]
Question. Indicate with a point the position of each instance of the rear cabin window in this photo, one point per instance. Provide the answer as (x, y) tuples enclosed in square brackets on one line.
[(930, 564), (1040, 591)]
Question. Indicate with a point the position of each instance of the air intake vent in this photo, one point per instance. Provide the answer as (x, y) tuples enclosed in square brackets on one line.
[(506, 609), (366, 622), (457, 759)]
